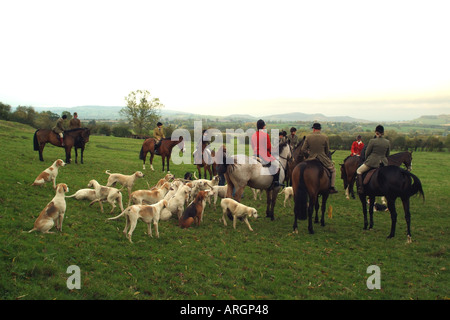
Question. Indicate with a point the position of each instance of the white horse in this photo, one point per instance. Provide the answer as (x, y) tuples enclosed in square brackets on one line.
[(241, 171)]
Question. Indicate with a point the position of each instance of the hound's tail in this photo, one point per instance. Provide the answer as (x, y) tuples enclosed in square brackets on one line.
[(107, 172), (120, 215), (73, 195), (34, 229)]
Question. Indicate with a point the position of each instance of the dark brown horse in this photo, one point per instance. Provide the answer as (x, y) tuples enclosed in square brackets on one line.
[(164, 150), (351, 164), (297, 156), (72, 138), (309, 180), (392, 182)]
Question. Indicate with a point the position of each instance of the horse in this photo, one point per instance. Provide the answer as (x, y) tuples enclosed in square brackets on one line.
[(241, 171), (309, 180), (199, 161), (165, 150), (392, 182), (400, 158), (351, 164), (72, 138), (297, 156)]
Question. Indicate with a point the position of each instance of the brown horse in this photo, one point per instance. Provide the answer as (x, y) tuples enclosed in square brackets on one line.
[(72, 138), (208, 166), (351, 164), (164, 150), (309, 180), (297, 156)]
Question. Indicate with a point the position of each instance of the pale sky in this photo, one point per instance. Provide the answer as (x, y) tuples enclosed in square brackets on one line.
[(376, 60)]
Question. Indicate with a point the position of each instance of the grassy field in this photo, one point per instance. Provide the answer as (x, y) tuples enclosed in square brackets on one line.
[(210, 262)]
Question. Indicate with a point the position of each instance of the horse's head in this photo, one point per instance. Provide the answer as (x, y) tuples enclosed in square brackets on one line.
[(85, 134)]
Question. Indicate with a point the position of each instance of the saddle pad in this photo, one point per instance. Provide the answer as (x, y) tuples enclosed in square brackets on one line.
[(369, 175)]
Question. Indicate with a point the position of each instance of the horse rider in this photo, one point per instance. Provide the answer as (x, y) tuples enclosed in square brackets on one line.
[(262, 148), (319, 147), (75, 123), (158, 134), (357, 147), (59, 128), (282, 136), (204, 140), (292, 138), (376, 154)]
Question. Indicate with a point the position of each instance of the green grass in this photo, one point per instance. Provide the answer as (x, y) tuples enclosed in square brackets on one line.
[(210, 261)]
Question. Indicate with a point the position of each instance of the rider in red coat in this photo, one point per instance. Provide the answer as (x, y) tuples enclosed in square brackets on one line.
[(357, 147), (261, 148)]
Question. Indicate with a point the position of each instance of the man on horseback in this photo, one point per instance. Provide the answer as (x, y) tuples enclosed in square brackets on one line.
[(357, 147), (262, 148), (292, 138), (376, 154), (158, 134), (75, 123), (59, 128), (319, 148)]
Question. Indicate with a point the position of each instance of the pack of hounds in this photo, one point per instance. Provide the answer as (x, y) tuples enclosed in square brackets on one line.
[(184, 199)]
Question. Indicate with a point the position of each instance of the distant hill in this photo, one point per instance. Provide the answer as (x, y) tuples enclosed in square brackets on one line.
[(442, 119), (92, 112), (112, 113)]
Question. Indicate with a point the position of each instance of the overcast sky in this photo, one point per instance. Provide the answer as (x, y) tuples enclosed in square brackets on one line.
[(378, 60)]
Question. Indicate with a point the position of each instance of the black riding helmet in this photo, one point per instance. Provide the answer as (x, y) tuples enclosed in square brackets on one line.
[(379, 129)]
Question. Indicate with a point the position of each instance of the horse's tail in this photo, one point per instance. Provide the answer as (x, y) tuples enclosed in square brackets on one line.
[(300, 199), (141, 154), (416, 187), (35, 141)]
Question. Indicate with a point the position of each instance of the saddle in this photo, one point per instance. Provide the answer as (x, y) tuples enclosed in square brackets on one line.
[(368, 175)]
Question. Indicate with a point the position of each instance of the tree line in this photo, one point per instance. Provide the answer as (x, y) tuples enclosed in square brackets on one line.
[(142, 115)]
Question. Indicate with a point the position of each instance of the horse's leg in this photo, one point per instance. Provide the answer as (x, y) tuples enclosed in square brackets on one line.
[(393, 212), (274, 193), (68, 154), (324, 205), (41, 150), (168, 161), (151, 160), (76, 155), (371, 205), (316, 208), (405, 202), (163, 159), (268, 203), (362, 197), (82, 151), (210, 172), (350, 186), (312, 203), (238, 194)]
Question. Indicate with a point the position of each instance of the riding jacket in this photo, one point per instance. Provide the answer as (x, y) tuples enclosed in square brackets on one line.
[(158, 133), (377, 152), (58, 128), (261, 146), (319, 148)]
